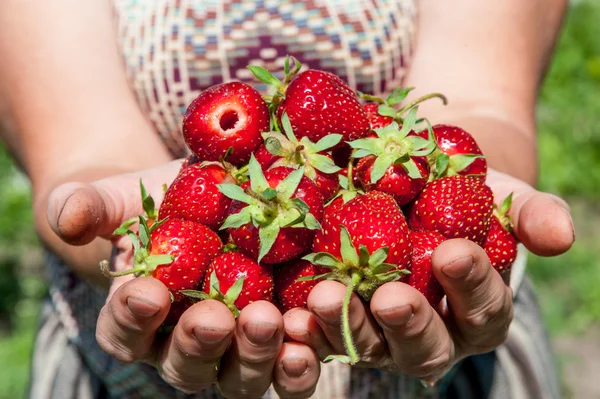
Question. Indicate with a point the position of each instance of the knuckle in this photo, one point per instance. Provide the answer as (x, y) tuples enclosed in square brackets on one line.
[(437, 363), (115, 348), (487, 314), (417, 327), (123, 319)]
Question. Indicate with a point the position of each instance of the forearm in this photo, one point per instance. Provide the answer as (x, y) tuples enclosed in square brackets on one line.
[(66, 99)]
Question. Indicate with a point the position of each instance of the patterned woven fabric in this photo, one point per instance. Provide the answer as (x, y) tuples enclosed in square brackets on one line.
[(174, 49)]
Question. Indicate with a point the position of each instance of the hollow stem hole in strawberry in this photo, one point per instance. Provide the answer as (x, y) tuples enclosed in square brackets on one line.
[(228, 120)]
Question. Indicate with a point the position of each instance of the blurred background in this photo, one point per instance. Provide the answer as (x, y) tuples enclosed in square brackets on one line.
[(568, 286)]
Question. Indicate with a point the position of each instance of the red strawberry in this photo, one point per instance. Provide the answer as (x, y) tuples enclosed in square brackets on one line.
[(291, 293), (457, 153), (376, 120), (232, 266), (422, 277), (194, 196), (319, 103), (189, 161), (228, 115), (393, 161), (174, 251), (500, 244), (396, 180), (457, 207), (265, 209), (365, 244)]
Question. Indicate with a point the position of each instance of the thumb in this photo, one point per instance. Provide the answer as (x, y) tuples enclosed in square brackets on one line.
[(542, 221), (79, 212)]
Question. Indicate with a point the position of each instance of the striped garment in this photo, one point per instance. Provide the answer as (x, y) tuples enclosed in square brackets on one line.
[(174, 49)]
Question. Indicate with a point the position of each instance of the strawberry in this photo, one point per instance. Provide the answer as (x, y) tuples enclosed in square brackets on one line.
[(457, 207), (396, 180), (457, 153), (229, 115), (174, 251), (234, 266), (194, 195), (393, 160), (365, 243), (421, 274), (317, 103), (189, 161), (291, 293), (376, 120), (500, 244), (286, 150), (273, 215)]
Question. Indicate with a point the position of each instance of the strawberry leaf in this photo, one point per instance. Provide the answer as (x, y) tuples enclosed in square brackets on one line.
[(291, 217), (239, 219), (363, 255), (324, 164), (286, 65), (386, 110), (378, 257), (235, 192), (324, 259), (153, 261), (398, 95), (327, 142), (462, 161), (409, 122), (441, 164), (267, 235), (274, 146), (343, 182), (144, 232), (147, 202), (287, 128), (123, 229), (411, 169), (157, 224), (135, 240), (235, 290), (264, 76), (311, 223), (215, 285), (195, 294), (313, 278), (381, 165), (258, 183), (506, 204), (347, 249), (269, 193), (288, 186)]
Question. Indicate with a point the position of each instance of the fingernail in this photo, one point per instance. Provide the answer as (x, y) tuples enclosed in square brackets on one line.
[(571, 221), (55, 209), (206, 335), (459, 268), (396, 316), (329, 315), (141, 307), (295, 367), (259, 333)]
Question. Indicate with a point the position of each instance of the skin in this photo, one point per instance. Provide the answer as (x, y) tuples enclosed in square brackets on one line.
[(84, 155)]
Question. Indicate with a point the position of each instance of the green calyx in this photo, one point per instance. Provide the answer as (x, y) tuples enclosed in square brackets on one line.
[(144, 264), (443, 165), (269, 209), (291, 67), (296, 153), (502, 213), (393, 145), (387, 107), (361, 272), (228, 298)]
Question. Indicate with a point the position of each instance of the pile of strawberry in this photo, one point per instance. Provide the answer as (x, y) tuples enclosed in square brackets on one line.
[(314, 182)]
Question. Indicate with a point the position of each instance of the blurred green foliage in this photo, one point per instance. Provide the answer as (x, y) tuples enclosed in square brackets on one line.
[(569, 149)]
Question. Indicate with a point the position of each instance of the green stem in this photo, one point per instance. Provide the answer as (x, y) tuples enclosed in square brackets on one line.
[(419, 101), (105, 270), (239, 172), (346, 332), (351, 171)]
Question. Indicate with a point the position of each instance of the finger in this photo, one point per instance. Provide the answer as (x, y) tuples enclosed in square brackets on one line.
[(479, 301), (128, 322), (301, 326), (247, 368), (325, 303), (418, 340), (542, 222), (189, 358), (296, 372), (80, 212)]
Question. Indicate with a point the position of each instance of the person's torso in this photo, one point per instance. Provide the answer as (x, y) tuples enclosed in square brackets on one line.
[(174, 49)]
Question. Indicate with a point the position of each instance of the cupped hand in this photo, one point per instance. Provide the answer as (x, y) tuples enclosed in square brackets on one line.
[(398, 330), (243, 357)]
